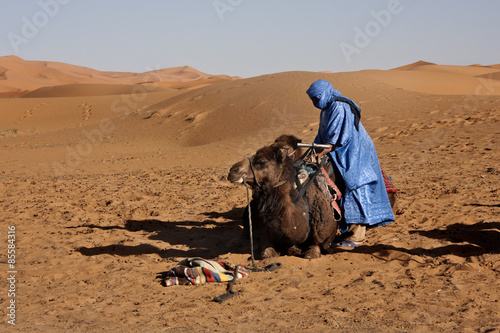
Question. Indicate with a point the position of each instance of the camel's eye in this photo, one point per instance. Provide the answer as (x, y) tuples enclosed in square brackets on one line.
[(260, 162)]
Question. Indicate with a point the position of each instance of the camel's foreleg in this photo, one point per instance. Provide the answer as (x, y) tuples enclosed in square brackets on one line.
[(313, 252)]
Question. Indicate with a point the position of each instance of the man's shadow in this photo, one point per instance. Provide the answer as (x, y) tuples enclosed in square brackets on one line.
[(207, 239), (468, 240)]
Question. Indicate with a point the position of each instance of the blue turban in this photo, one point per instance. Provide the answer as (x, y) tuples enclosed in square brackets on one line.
[(325, 93)]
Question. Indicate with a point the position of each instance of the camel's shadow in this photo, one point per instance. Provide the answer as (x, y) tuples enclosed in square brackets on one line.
[(207, 239), (210, 239)]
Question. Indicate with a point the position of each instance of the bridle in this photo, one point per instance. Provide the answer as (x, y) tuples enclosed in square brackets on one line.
[(253, 173), (270, 267), (255, 176)]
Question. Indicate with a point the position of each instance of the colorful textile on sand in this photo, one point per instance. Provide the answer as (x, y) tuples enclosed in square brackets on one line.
[(197, 271)]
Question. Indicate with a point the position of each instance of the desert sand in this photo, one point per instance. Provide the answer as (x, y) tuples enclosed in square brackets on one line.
[(110, 178)]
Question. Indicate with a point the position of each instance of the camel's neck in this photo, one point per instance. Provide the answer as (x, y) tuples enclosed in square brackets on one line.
[(285, 220), (276, 197)]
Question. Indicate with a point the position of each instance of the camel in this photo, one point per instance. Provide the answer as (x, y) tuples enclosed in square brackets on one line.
[(280, 219), (286, 145)]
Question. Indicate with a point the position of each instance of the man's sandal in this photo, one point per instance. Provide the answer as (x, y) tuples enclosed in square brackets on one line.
[(346, 245)]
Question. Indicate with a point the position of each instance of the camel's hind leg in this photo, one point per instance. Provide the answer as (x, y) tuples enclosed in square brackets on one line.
[(294, 251)]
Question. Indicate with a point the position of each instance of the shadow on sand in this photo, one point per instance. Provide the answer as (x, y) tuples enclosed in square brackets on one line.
[(210, 239), (469, 240), (207, 239)]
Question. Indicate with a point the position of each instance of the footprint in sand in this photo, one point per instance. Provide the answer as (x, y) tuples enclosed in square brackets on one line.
[(28, 113), (86, 111)]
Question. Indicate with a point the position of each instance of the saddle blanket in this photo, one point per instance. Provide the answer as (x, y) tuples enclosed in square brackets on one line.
[(388, 185), (198, 271), (336, 194)]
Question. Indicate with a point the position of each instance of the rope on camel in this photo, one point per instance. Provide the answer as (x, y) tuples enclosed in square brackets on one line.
[(269, 268)]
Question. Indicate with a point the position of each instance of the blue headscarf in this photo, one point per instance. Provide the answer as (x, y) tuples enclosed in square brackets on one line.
[(326, 95)]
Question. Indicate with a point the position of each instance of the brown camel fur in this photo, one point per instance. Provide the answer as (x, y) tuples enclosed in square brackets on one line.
[(280, 223), (290, 142)]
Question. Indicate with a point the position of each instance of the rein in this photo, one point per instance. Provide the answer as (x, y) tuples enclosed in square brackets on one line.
[(255, 176), (269, 268), (250, 219)]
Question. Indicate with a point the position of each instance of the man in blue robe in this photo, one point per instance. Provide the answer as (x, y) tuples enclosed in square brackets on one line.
[(365, 203)]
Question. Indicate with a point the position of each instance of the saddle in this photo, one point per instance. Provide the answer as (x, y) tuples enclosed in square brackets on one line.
[(312, 172), (309, 171)]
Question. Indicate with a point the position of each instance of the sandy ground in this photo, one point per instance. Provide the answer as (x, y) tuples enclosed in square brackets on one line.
[(106, 191)]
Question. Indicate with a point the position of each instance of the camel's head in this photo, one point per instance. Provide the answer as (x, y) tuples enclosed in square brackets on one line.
[(267, 163), (289, 142)]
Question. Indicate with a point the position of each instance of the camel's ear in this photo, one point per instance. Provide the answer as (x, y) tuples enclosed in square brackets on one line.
[(296, 142), (281, 154)]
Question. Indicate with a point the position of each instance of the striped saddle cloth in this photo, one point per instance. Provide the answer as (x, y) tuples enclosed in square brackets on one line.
[(197, 271)]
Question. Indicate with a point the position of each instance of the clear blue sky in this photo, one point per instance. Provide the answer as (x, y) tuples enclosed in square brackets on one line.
[(251, 37)]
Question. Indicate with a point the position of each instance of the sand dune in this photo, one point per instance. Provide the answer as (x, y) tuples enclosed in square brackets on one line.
[(414, 65), (107, 186), (457, 70), (91, 89), (18, 76), (39, 115), (24, 75), (440, 79), (490, 76)]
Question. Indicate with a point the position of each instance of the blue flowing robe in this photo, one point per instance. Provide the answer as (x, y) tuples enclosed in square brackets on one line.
[(365, 200)]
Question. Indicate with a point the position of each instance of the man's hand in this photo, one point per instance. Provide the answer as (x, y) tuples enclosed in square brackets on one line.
[(324, 151)]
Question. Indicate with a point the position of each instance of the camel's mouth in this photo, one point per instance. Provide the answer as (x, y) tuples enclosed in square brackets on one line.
[(238, 172), (235, 178), (237, 181)]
